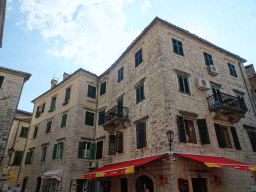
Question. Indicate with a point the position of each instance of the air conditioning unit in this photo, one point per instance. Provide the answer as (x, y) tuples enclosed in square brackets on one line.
[(213, 70), (93, 164), (203, 84)]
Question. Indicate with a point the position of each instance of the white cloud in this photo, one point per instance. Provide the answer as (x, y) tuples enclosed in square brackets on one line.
[(146, 5), (92, 31), (130, 1)]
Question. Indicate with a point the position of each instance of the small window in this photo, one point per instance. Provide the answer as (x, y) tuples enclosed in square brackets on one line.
[(17, 158), (24, 132), (252, 137), (208, 59), (103, 88), (101, 117), (1, 81), (43, 157), (183, 84), (40, 110), (68, 92), (35, 132), (89, 118), (177, 47), (91, 91), (99, 149), (232, 70), (86, 150), (48, 127), (116, 143), (28, 160), (138, 58), (53, 103), (241, 102), (141, 135), (58, 150), (120, 74), (140, 93), (64, 120)]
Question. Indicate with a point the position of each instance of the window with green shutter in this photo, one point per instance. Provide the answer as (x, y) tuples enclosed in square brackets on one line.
[(181, 127), (53, 103), (222, 136), (103, 87), (112, 144), (35, 132), (235, 138), (24, 132), (86, 150), (93, 151), (68, 92), (28, 160), (138, 58), (119, 142), (120, 74), (208, 59), (140, 93), (91, 91), (58, 150), (177, 47), (48, 127), (141, 135), (89, 118), (17, 158), (1, 81), (64, 120), (203, 131), (43, 157), (232, 70), (40, 110), (101, 117), (183, 84)]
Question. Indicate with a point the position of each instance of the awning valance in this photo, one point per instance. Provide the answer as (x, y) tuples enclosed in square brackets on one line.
[(218, 161), (126, 167), (53, 174)]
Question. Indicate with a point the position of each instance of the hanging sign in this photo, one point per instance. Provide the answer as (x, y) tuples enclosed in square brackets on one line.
[(183, 185)]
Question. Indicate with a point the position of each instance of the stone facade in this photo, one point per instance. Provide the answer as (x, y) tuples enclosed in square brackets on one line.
[(156, 81), (252, 78), (10, 92)]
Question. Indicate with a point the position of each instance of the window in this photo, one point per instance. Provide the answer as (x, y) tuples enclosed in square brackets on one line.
[(252, 137), (53, 103), (48, 127), (208, 59), (232, 70), (28, 159), (99, 149), (58, 150), (35, 132), (43, 154), (101, 117), (203, 131), (223, 137), (116, 143), (138, 58), (64, 120), (140, 93), (91, 91), (24, 132), (40, 110), (112, 145), (1, 81), (183, 84), (141, 135), (67, 96), (241, 102), (120, 74), (103, 88), (17, 158), (89, 118), (86, 150), (177, 47)]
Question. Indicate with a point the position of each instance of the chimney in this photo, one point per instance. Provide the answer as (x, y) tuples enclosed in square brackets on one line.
[(65, 76), (53, 83)]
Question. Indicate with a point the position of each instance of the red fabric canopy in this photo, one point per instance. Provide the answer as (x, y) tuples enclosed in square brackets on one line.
[(218, 161), (121, 168)]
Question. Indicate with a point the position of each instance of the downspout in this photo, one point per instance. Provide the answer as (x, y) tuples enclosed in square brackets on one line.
[(239, 63), (95, 119)]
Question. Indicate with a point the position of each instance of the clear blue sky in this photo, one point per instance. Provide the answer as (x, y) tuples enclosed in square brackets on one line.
[(49, 37)]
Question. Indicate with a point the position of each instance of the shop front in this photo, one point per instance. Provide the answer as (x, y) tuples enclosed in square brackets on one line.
[(52, 181)]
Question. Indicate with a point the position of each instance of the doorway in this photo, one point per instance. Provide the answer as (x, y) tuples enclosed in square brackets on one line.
[(24, 184), (199, 185), (38, 185), (143, 183)]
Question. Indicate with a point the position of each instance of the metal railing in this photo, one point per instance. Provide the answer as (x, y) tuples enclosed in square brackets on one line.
[(220, 99), (116, 111)]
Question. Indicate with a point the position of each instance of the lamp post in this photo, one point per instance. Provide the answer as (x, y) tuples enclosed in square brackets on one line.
[(10, 152), (170, 136)]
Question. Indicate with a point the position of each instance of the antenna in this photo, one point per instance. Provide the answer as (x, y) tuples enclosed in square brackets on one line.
[(54, 77)]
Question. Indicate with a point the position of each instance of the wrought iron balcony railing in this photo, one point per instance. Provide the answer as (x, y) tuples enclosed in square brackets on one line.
[(117, 111), (221, 99)]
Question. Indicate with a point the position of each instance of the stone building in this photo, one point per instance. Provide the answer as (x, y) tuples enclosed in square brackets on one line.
[(252, 78), (109, 132), (11, 84), (11, 162)]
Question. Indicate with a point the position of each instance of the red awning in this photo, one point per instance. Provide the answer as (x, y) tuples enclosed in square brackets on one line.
[(121, 168), (220, 162)]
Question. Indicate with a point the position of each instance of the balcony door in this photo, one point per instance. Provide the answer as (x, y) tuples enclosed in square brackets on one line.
[(120, 107), (216, 95)]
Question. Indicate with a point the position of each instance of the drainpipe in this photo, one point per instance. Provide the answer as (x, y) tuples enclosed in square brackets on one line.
[(251, 100), (95, 119)]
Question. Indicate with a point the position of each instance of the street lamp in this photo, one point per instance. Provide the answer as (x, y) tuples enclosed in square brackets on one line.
[(170, 136), (10, 152)]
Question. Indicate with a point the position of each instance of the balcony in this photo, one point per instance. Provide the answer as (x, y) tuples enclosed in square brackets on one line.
[(227, 107), (116, 117)]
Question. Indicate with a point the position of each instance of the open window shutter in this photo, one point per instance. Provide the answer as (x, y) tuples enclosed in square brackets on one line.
[(181, 126), (94, 92), (37, 110), (67, 97), (112, 140), (54, 151), (136, 59), (235, 137), (92, 150), (203, 131), (80, 149), (61, 148), (219, 135), (140, 56)]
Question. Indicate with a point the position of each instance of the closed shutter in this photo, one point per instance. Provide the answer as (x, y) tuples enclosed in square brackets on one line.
[(92, 150), (101, 117), (68, 91), (103, 88), (252, 136), (119, 142), (54, 151), (203, 131), (53, 102), (220, 136), (48, 128), (27, 160), (89, 118), (181, 127), (61, 149), (80, 149), (235, 137), (64, 120), (43, 107), (35, 133), (25, 132), (99, 149), (112, 140), (141, 135), (22, 131)]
